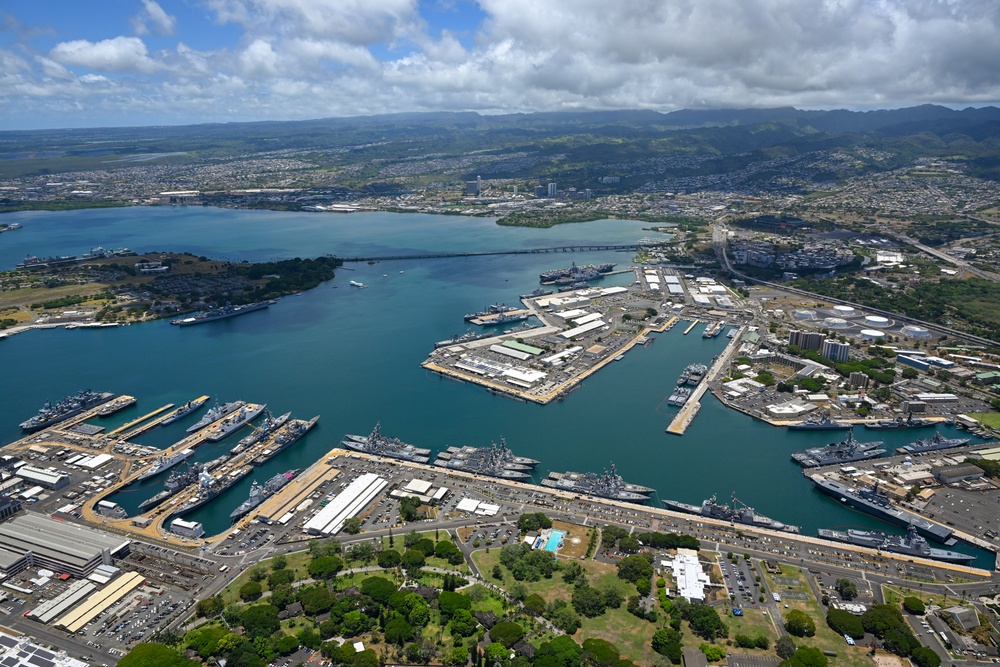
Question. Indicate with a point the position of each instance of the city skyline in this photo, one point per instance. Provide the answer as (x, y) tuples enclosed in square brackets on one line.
[(143, 62)]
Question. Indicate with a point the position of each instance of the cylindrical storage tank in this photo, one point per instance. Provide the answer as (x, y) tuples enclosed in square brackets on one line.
[(844, 311), (805, 314), (836, 323), (913, 331), (876, 320), (872, 334)]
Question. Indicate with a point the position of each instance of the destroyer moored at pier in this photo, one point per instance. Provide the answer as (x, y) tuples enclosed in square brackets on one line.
[(215, 413), (909, 421), (932, 444), (176, 481), (377, 444), (165, 463), (845, 451), (53, 413), (824, 423), (607, 485), (266, 428), (912, 544), (261, 492), (738, 512), (871, 500), (575, 273), (493, 461), (184, 410), (234, 422)]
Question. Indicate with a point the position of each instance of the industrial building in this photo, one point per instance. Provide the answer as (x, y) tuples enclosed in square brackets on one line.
[(422, 490), (48, 478), (348, 503), (34, 540), (186, 528), (23, 652), (99, 602), (52, 609)]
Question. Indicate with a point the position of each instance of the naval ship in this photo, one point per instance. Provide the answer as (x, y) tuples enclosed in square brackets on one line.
[(176, 481), (220, 313), (259, 493), (210, 487), (608, 485), (845, 451), (932, 444), (377, 444), (574, 273), (285, 437), (871, 500), (266, 428), (467, 337), (492, 461), (184, 410), (909, 421), (114, 406), (234, 422), (823, 423), (215, 413), (738, 512), (71, 406), (165, 463), (494, 309), (911, 545)]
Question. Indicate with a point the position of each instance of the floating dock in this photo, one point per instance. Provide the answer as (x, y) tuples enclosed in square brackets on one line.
[(693, 325), (139, 420)]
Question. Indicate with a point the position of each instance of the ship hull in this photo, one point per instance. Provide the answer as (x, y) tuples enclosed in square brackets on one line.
[(894, 515), (190, 321), (876, 540), (167, 464), (35, 424)]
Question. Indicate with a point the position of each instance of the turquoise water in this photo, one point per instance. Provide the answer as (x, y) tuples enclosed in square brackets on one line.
[(555, 537), (353, 357)]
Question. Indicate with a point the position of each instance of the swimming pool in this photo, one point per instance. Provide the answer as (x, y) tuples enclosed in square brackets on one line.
[(555, 541)]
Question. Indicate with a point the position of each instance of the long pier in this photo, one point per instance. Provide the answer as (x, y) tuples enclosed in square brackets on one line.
[(139, 420), (150, 425), (523, 251)]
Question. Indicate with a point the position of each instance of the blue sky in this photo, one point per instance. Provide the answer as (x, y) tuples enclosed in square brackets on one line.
[(140, 62)]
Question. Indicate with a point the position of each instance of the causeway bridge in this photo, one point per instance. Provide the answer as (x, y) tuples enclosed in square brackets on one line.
[(524, 251)]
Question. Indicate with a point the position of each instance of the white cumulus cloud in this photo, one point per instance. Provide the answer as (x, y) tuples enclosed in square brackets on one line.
[(120, 54)]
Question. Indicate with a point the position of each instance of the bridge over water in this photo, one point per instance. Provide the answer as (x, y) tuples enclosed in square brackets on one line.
[(523, 251)]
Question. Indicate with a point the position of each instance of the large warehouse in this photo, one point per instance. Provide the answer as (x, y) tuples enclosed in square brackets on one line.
[(35, 540), (348, 503)]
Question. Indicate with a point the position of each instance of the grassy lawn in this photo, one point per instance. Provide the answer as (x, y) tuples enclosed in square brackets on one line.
[(990, 419), (630, 634), (895, 595), (30, 295), (825, 639)]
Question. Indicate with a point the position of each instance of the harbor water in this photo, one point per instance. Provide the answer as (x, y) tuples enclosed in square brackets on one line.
[(353, 357)]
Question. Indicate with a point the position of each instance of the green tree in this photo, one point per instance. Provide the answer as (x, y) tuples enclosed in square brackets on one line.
[(413, 559), (364, 552), (389, 559), (279, 577), (366, 658), (600, 652), (534, 521), (379, 589), (712, 652), (260, 620), (588, 601), (210, 607), (784, 647), (921, 657), (324, 567), (847, 589), (635, 567), (566, 619), (279, 562), (535, 604), (561, 651), (143, 655), (805, 656), (398, 631), (287, 645), (914, 605), (799, 624), (250, 591), (506, 633), (462, 623), (845, 623), (352, 526)]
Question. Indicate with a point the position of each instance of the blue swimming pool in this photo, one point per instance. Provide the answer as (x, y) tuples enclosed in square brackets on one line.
[(555, 540)]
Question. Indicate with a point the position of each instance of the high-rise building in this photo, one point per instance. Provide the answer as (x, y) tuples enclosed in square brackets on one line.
[(479, 185), (472, 188), (539, 191), (587, 193), (858, 379), (836, 351), (552, 190), (806, 340)]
